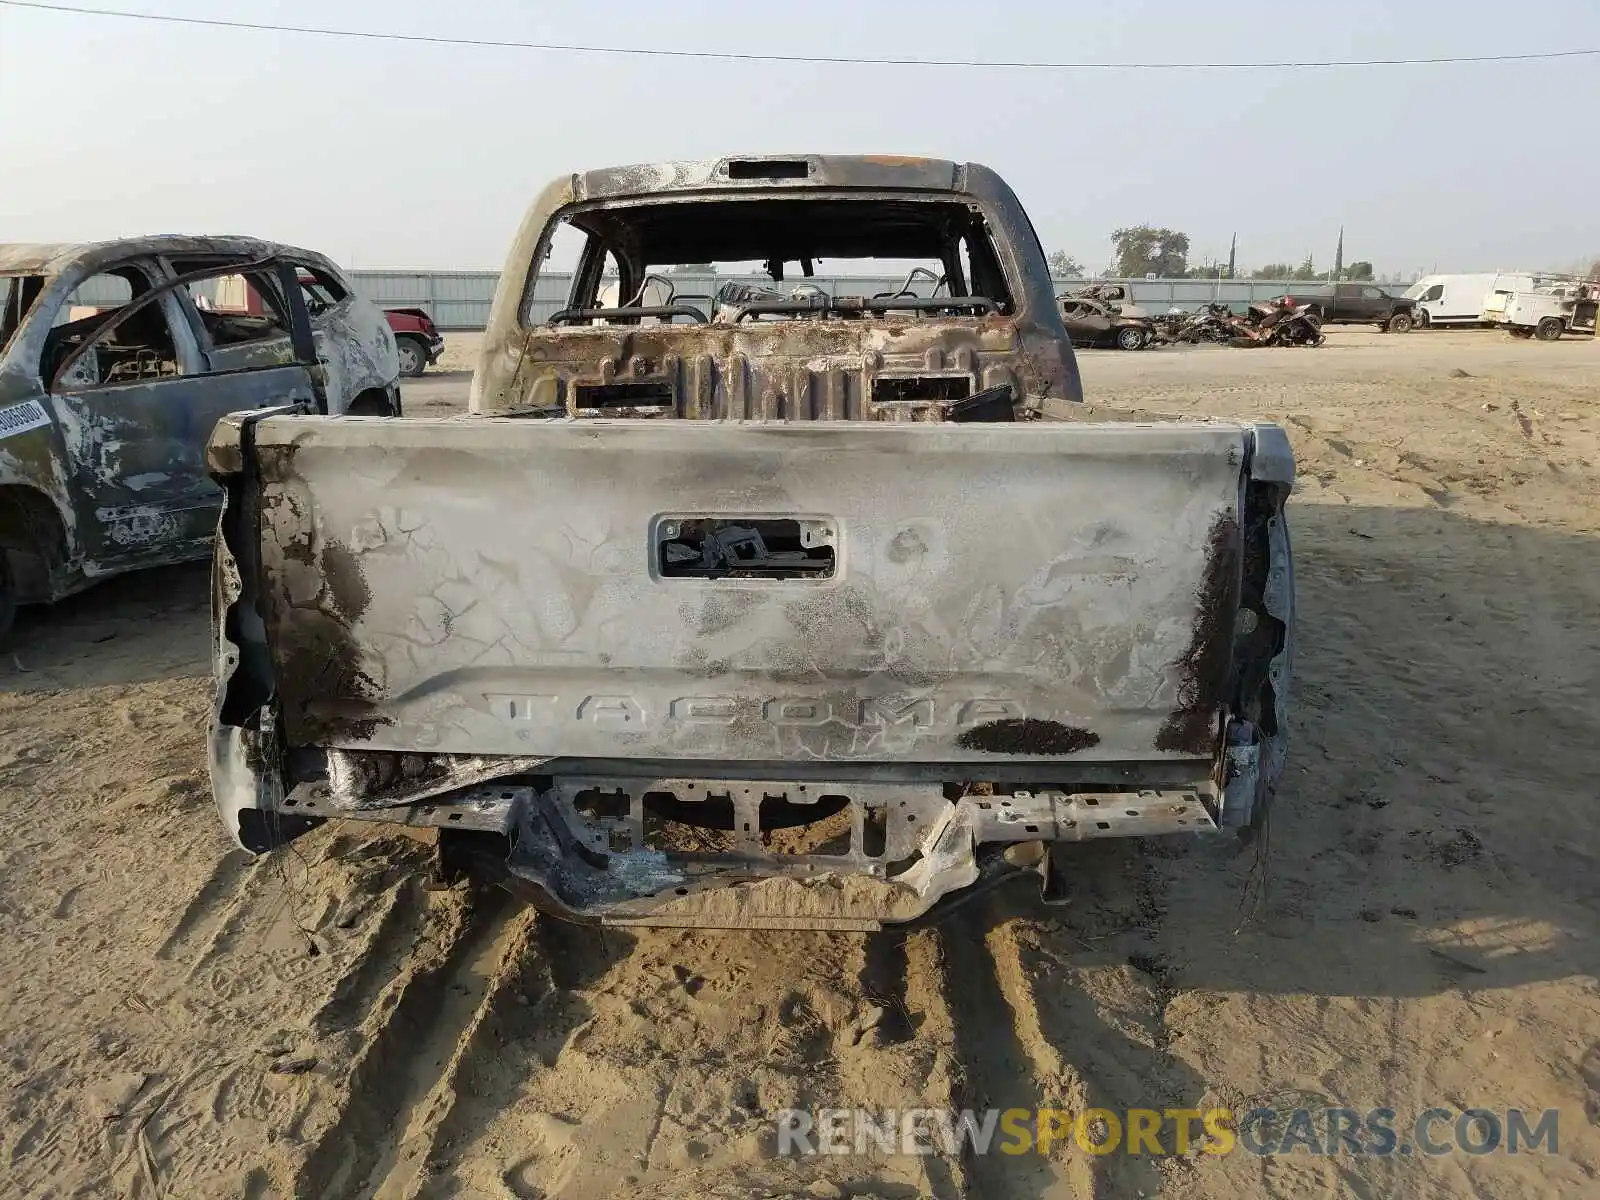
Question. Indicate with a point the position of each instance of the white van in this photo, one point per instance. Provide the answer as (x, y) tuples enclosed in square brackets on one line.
[(1461, 299)]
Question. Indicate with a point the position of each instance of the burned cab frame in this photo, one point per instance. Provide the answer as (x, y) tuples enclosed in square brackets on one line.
[(818, 611)]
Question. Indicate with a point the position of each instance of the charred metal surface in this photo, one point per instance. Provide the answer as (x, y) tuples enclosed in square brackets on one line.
[(347, 581), (327, 691), (822, 171), (1257, 741), (381, 779), (790, 371), (595, 864), (1203, 668), (104, 418), (806, 369), (1021, 735), (993, 404), (566, 633), (492, 808)]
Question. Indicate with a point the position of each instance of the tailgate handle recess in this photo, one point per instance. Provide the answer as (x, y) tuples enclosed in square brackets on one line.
[(744, 547)]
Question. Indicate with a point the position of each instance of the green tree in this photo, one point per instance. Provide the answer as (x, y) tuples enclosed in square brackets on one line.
[(1144, 250), (1276, 270), (1064, 266), (1361, 271), (1306, 270), (694, 269)]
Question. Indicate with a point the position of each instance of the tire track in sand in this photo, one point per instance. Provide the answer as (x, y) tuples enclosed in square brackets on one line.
[(999, 1067), (460, 1035), (521, 1027), (1061, 1008), (405, 1046)]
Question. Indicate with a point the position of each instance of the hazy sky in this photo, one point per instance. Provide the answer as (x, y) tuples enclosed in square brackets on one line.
[(388, 154)]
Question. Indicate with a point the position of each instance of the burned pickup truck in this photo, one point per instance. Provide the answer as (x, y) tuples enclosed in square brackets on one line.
[(795, 606), (116, 361)]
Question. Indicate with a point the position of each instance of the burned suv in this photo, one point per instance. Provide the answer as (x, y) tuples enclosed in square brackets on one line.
[(116, 361), (814, 602)]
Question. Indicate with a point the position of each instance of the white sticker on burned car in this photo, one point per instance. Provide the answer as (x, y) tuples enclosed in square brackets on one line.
[(19, 418)]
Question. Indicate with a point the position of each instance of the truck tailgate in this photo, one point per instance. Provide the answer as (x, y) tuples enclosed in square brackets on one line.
[(673, 590)]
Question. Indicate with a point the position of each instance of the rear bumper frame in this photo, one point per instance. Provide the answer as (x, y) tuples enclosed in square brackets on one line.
[(595, 847)]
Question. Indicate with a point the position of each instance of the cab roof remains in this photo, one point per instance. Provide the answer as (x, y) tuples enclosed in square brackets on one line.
[(869, 172), (52, 258)]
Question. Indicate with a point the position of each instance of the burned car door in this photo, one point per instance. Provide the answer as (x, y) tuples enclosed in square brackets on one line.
[(241, 319), (137, 395)]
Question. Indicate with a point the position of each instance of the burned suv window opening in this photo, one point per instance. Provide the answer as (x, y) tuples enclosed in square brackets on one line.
[(140, 347), (235, 308), (321, 290)]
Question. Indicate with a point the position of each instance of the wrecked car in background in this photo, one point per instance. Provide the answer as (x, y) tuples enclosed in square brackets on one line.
[(1206, 323), (106, 405), (1282, 322), (1094, 322), (797, 609)]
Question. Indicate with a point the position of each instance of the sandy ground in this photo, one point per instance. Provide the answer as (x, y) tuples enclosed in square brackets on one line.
[(178, 1021)]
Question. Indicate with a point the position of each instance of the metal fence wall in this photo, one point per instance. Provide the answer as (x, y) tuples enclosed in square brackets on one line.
[(460, 299), (454, 299)]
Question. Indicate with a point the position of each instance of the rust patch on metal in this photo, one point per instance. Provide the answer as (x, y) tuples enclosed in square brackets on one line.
[(1025, 735), (1204, 666)]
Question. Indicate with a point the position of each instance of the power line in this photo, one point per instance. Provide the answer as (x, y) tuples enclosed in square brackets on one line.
[(822, 59)]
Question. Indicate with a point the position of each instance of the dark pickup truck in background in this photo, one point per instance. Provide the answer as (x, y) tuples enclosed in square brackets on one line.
[(1357, 304)]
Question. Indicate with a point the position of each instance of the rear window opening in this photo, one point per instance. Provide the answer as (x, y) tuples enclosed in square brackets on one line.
[(111, 331), (777, 258), (744, 548), (235, 307), (322, 291)]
